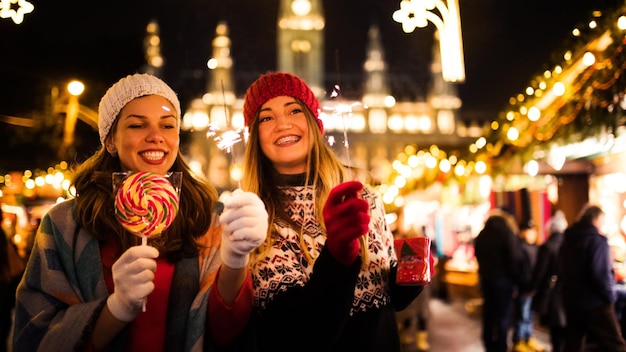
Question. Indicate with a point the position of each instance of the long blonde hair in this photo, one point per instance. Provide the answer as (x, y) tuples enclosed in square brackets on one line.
[(324, 171)]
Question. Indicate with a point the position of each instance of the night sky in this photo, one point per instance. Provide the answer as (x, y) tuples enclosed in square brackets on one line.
[(506, 42)]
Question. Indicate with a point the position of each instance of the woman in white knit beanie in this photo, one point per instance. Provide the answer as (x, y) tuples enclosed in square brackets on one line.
[(88, 277)]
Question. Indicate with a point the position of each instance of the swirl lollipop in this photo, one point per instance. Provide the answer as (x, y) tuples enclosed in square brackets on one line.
[(146, 204)]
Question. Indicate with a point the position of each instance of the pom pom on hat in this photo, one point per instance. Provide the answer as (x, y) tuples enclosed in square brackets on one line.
[(275, 84), (127, 89)]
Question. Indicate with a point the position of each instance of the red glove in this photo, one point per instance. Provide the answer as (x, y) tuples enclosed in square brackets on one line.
[(347, 218)]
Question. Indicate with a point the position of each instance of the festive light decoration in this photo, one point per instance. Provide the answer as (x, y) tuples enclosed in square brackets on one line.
[(573, 110), (52, 183), (417, 13), (576, 109), (23, 7), (580, 101)]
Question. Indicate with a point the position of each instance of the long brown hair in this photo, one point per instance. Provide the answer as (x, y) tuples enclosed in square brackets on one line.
[(95, 206)]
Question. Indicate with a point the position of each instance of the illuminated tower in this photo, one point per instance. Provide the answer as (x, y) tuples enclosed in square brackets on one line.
[(214, 109), (152, 50), (301, 41), (376, 86), (220, 95)]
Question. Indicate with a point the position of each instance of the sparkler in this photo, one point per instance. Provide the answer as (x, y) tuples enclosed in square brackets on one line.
[(342, 110), (228, 138), (225, 140)]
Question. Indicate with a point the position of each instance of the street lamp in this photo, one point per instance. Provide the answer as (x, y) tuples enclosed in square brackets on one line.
[(75, 89)]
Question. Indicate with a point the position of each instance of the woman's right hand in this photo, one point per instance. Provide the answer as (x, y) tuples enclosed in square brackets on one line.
[(346, 217), (133, 276)]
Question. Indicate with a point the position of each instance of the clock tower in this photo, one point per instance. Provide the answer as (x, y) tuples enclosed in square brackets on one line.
[(301, 41)]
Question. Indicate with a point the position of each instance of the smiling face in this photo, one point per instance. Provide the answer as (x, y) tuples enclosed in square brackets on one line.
[(146, 135), (284, 134)]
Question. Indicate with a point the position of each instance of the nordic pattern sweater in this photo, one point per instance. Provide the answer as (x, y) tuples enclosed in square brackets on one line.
[(327, 306)]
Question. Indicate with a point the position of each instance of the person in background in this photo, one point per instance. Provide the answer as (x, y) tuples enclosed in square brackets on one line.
[(617, 254), (11, 271), (7, 291), (524, 318), (324, 280), (88, 277), (547, 301), (585, 272), (498, 253)]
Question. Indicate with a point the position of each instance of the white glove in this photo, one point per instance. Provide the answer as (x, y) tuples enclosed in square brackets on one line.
[(244, 227), (133, 276)]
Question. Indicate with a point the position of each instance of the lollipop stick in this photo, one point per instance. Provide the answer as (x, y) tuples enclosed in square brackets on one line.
[(144, 242)]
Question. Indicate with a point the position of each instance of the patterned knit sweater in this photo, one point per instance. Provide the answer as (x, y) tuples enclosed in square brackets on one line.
[(327, 306)]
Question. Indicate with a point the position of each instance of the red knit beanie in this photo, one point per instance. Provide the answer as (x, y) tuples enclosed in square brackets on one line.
[(275, 84)]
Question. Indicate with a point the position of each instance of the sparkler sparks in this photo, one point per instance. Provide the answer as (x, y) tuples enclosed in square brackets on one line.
[(342, 111), (225, 140)]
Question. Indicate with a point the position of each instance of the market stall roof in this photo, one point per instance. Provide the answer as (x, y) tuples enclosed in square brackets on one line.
[(573, 109)]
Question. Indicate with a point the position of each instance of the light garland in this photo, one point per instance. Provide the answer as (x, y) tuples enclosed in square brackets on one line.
[(577, 107), (52, 183), (580, 98)]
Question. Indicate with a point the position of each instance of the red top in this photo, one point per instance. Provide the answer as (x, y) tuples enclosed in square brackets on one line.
[(148, 328)]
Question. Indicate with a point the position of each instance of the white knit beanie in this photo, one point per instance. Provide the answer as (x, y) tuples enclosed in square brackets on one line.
[(127, 89)]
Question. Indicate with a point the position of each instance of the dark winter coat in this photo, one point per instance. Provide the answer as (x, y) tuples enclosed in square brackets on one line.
[(585, 268), (527, 264), (547, 301), (497, 250)]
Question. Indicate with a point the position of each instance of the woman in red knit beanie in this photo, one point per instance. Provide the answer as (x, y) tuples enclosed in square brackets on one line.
[(324, 280)]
